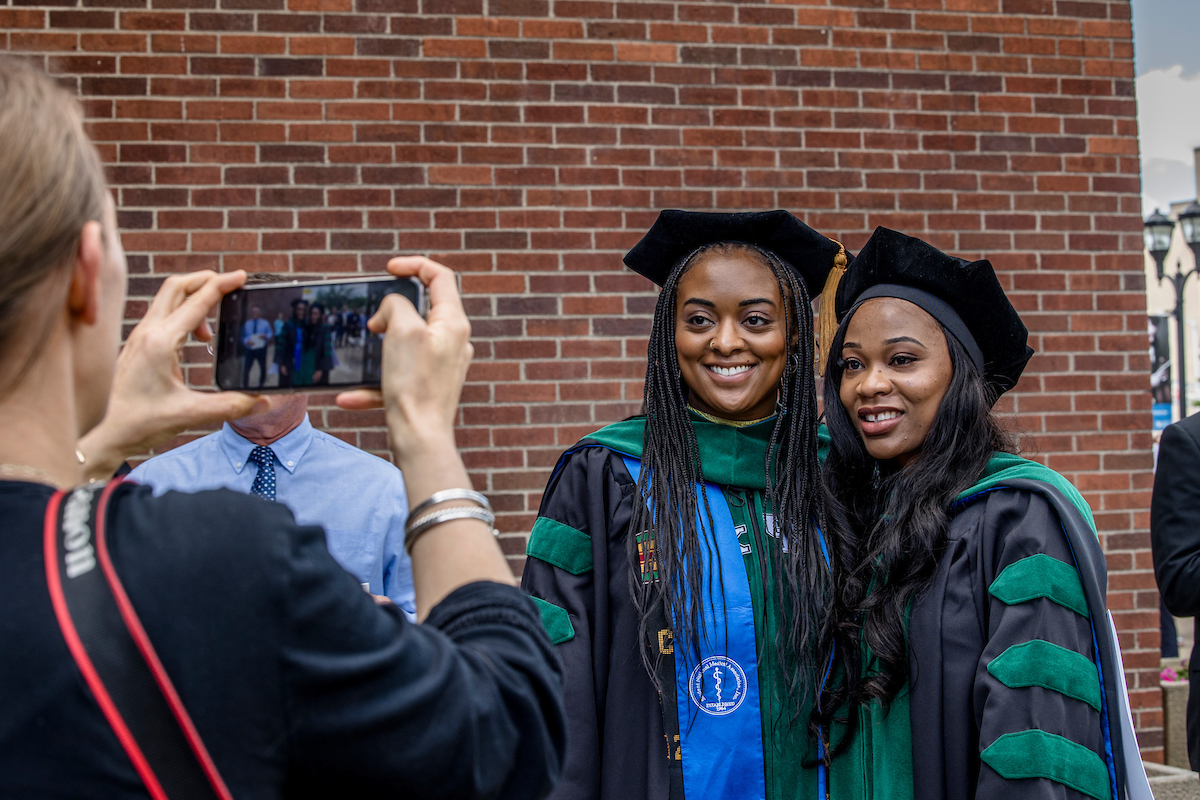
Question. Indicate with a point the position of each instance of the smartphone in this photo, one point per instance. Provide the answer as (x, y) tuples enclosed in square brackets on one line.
[(295, 336)]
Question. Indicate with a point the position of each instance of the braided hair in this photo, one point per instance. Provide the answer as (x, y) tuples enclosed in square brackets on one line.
[(671, 469)]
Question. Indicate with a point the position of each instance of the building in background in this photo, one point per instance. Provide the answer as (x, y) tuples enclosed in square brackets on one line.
[(529, 143), (1160, 303)]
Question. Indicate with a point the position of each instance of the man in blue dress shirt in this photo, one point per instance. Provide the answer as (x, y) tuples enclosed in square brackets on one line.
[(356, 497), (257, 333)]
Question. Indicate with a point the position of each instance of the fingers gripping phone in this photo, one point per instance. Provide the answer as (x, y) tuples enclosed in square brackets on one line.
[(288, 337)]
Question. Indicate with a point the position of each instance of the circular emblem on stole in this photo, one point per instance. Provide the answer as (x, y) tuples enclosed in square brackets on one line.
[(717, 686)]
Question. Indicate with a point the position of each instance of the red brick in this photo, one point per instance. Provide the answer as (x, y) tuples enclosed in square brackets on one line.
[(321, 45), (151, 21), (204, 109), (22, 18), (258, 45), (647, 52), (182, 43), (154, 65), (454, 48), (112, 42), (320, 5), (225, 241), (43, 41)]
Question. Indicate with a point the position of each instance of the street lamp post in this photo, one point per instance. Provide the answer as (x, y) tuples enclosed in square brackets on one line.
[(1158, 229)]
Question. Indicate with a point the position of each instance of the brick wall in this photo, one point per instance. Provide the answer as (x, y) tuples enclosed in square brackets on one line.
[(528, 143)]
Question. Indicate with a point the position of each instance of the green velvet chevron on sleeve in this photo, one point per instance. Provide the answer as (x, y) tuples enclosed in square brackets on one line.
[(555, 620), (1045, 664), (1037, 576), (1037, 754), (561, 545)]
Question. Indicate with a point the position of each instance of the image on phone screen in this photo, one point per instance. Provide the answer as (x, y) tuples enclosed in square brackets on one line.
[(293, 335)]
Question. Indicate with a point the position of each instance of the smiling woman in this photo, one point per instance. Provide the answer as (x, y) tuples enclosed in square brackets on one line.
[(730, 335), (895, 370), (970, 609), (677, 557)]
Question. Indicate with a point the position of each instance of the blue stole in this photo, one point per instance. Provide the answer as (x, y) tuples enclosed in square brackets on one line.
[(298, 347), (720, 724)]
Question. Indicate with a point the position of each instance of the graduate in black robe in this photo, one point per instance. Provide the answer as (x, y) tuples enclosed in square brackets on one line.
[(974, 584), (666, 699)]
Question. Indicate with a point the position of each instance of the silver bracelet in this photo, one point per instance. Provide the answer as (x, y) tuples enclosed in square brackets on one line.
[(450, 494), (418, 528)]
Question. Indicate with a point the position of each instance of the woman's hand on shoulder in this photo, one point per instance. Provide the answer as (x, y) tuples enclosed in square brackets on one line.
[(150, 402)]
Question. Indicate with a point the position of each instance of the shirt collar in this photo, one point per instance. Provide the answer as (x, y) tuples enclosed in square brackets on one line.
[(288, 450)]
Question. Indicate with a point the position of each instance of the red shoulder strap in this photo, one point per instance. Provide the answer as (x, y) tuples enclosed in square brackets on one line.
[(118, 662)]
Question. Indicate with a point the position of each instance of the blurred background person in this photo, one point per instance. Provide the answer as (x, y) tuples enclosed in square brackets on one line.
[(339, 327), (316, 350), (289, 344), (257, 334)]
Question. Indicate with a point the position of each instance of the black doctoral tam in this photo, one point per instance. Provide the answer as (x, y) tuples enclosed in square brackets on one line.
[(677, 234), (964, 296)]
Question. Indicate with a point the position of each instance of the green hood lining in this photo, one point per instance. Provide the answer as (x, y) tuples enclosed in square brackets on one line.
[(729, 456), (728, 449), (1004, 467)]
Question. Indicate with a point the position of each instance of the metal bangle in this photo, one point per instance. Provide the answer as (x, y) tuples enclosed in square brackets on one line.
[(446, 515), (450, 494)]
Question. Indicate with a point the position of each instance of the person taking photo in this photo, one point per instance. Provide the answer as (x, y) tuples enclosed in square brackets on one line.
[(284, 678)]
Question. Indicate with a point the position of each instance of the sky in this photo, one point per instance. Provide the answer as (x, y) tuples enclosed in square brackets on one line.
[(1166, 51)]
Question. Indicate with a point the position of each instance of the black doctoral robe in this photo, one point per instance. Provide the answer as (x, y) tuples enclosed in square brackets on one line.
[(623, 741), (1013, 687)]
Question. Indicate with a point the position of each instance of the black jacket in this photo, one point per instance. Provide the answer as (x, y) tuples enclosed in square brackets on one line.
[(299, 685), (1175, 543)]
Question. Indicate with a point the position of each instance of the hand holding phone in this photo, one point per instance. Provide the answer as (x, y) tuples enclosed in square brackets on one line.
[(424, 365), (149, 401)]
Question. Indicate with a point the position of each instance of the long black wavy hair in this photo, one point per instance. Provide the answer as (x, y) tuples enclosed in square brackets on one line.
[(890, 524), (671, 468), (313, 330)]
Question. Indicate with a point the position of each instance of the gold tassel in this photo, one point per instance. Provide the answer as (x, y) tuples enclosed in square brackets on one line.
[(827, 315)]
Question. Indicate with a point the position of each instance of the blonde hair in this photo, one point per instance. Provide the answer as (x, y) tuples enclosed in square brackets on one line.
[(51, 184)]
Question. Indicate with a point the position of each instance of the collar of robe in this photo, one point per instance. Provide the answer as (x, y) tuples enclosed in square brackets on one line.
[(1004, 467), (729, 456), (733, 423), (1001, 468)]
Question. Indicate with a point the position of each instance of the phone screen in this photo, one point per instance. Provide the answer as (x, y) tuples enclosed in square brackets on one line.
[(283, 336)]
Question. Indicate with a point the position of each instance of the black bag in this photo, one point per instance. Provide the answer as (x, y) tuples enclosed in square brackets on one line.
[(116, 658)]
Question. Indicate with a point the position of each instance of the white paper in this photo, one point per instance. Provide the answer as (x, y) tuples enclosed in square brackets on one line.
[(1137, 785)]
